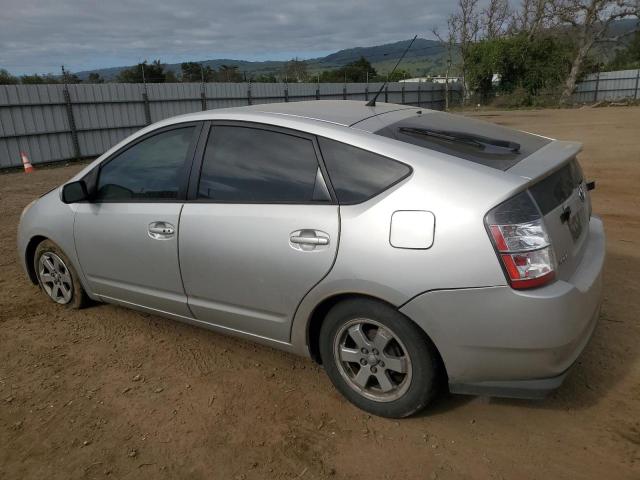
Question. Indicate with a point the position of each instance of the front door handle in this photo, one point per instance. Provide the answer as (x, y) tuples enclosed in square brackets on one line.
[(161, 230), (308, 239)]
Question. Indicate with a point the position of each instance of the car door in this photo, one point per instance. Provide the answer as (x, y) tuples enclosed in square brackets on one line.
[(260, 231), (127, 236)]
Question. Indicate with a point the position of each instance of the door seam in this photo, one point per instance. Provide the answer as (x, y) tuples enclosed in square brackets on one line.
[(184, 290), (335, 258)]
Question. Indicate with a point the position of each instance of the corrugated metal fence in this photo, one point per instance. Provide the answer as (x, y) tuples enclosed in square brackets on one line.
[(622, 84), (52, 123)]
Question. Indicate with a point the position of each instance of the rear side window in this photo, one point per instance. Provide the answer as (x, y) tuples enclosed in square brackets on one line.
[(250, 165), (148, 171), (357, 174)]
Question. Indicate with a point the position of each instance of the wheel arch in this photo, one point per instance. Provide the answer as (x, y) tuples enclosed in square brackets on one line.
[(29, 256), (320, 311)]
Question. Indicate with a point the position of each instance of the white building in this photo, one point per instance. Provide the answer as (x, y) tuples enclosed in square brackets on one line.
[(434, 79)]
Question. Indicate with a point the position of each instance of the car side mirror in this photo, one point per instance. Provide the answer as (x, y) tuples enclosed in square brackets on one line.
[(75, 192)]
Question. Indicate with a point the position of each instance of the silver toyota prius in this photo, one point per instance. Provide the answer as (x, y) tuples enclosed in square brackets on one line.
[(404, 249)]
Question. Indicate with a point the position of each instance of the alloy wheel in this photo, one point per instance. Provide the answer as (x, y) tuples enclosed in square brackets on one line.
[(372, 360), (55, 278)]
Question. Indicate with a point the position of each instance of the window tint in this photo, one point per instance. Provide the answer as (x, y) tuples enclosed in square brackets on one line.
[(357, 174), (150, 170), (464, 138), (244, 164), (557, 187)]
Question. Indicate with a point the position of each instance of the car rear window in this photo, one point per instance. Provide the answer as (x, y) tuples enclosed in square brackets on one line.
[(358, 175), (557, 187), (500, 157)]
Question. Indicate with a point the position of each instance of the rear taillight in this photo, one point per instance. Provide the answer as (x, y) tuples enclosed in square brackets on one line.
[(521, 242)]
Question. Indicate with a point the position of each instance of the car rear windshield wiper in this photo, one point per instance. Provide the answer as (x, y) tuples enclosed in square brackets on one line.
[(486, 144)]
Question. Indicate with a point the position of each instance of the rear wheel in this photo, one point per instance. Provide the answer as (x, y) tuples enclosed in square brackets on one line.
[(377, 358), (57, 277)]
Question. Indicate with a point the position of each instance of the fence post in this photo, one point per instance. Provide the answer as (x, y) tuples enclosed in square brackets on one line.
[(386, 94), (72, 122), (286, 92), (145, 100), (635, 95), (203, 98), (318, 91), (366, 92), (249, 99), (419, 96), (402, 94), (595, 92), (344, 92)]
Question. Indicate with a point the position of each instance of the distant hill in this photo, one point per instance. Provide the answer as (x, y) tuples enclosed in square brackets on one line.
[(425, 57)]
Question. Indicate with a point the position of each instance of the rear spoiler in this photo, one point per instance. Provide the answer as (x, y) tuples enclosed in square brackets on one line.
[(547, 160)]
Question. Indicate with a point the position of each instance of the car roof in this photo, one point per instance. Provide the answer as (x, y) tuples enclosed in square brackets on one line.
[(340, 112)]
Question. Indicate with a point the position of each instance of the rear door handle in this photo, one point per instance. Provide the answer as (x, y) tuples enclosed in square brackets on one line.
[(309, 240), (161, 230)]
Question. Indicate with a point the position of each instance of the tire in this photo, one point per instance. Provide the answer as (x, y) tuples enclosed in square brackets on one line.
[(378, 359), (57, 277)]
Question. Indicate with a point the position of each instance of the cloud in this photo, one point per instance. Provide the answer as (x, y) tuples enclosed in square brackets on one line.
[(39, 36)]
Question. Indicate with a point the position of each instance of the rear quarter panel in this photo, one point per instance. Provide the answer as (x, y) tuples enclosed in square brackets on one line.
[(462, 256)]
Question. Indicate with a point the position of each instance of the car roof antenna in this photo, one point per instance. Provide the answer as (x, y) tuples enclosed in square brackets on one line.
[(372, 102)]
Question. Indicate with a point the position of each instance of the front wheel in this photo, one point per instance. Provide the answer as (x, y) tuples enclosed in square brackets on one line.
[(56, 276), (378, 359)]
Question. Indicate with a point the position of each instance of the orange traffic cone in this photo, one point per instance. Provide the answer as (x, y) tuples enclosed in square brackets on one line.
[(28, 168)]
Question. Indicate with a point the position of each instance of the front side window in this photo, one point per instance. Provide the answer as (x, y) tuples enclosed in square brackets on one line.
[(150, 170), (250, 165), (356, 174)]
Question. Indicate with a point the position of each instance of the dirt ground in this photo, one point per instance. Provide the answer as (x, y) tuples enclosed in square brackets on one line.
[(110, 393)]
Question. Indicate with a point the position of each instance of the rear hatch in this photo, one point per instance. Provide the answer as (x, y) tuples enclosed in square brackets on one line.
[(555, 177), (558, 187)]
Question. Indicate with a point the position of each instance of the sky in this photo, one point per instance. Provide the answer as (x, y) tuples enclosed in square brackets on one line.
[(38, 36)]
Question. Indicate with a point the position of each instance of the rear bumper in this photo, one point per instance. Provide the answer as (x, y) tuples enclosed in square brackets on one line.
[(503, 342)]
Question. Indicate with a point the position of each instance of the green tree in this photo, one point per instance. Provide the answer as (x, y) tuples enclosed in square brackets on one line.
[(6, 78), (360, 70), (295, 70), (144, 72), (196, 72), (36, 79), (170, 77), (398, 75), (355, 71), (228, 73), (627, 58), (94, 78), (265, 78), (532, 64), (70, 78)]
